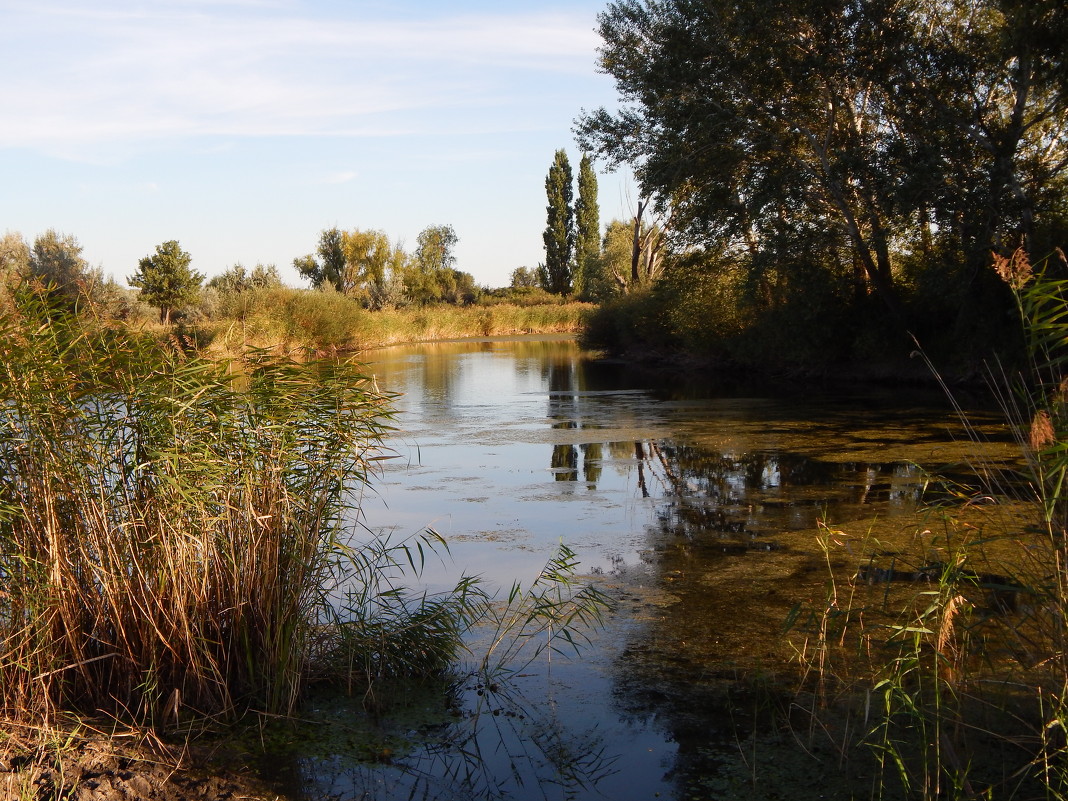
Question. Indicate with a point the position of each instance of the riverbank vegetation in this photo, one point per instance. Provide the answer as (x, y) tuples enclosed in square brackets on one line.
[(944, 653), (242, 309), (180, 542), (841, 202)]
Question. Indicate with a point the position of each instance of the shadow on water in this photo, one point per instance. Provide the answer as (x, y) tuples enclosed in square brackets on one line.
[(695, 509)]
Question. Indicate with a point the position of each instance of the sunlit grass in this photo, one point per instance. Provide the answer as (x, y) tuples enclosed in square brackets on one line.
[(173, 533), (289, 319)]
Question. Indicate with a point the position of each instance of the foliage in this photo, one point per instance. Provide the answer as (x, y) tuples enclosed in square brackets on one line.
[(552, 616), (524, 278), (329, 267), (873, 137), (173, 539), (166, 280), (238, 279), (431, 276), (587, 232), (559, 235)]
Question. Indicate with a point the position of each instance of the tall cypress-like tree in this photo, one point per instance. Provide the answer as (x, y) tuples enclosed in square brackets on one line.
[(587, 229), (559, 233)]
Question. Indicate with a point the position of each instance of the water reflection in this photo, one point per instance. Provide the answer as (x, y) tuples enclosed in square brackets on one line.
[(697, 509)]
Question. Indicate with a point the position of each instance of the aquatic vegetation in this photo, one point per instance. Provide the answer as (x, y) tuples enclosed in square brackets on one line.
[(955, 641), (173, 532)]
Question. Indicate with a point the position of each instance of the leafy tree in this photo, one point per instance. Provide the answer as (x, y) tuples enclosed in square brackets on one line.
[(238, 279), (369, 258), (166, 280), (587, 230), (861, 131), (524, 278), (330, 266), (559, 236), (434, 248), (430, 276), (14, 255), (56, 260)]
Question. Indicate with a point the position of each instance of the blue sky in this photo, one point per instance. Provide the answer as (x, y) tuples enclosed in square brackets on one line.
[(242, 128)]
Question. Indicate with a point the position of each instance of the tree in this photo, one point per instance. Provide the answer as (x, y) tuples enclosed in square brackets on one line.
[(434, 248), (56, 260), (559, 236), (587, 229), (430, 276), (330, 266), (14, 255), (524, 278), (166, 280), (238, 279), (369, 257), (840, 127)]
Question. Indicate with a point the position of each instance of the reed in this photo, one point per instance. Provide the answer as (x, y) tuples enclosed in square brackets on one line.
[(329, 322), (963, 666), (173, 532)]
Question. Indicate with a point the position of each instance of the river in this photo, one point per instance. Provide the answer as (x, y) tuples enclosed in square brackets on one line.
[(695, 504)]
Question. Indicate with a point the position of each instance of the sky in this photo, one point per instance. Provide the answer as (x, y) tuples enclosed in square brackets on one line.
[(243, 128)]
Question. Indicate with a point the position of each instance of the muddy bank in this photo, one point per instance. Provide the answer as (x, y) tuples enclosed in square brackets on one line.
[(122, 768)]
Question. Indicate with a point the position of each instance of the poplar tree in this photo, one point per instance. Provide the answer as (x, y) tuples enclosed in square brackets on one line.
[(587, 229), (559, 233)]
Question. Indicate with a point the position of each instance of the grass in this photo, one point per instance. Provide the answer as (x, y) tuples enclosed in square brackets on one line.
[(952, 650), (180, 544), (172, 532), (329, 322)]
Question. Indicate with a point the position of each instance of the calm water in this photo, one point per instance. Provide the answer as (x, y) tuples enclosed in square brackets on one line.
[(695, 507)]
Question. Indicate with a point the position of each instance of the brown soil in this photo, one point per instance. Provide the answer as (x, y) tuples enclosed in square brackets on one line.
[(109, 770)]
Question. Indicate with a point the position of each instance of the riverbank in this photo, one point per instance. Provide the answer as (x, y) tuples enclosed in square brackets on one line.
[(324, 323)]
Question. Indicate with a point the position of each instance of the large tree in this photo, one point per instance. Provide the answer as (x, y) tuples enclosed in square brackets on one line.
[(847, 128), (166, 280), (587, 229), (559, 236)]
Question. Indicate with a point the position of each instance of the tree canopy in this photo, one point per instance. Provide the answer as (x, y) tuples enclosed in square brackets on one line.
[(587, 229), (166, 279), (894, 142), (559, 236)]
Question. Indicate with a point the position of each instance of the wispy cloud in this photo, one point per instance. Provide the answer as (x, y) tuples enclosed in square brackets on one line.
[(82, 76), (341, 177)]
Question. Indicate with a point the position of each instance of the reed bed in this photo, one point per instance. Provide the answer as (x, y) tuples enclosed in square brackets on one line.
[(325, 321), (173, 532)]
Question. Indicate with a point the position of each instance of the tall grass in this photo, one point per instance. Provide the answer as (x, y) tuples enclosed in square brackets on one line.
[(180, 538), (955, 640), (331, 322), (171, 532)]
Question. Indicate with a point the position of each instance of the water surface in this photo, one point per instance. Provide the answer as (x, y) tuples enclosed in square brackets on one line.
[(694, 504)]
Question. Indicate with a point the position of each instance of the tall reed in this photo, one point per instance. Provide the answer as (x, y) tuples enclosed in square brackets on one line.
[(958, 644), (167, 528)]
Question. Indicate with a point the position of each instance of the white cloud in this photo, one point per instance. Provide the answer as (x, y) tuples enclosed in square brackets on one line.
[(78, 77)]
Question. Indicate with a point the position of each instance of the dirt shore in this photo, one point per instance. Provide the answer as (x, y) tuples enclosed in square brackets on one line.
[(111, 770)]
